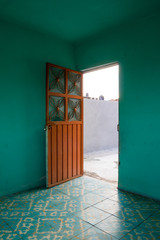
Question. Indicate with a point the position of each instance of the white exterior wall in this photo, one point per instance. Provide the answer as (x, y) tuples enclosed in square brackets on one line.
[(100, 125)]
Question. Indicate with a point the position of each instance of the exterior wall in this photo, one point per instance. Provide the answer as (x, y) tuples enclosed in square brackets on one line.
[(100, 125)]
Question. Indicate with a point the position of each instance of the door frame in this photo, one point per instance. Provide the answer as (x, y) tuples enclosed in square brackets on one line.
[(104, 66)]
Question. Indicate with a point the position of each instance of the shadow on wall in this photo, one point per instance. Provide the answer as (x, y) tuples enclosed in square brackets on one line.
[(100, 125)]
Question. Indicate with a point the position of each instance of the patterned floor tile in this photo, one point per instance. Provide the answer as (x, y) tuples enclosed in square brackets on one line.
[(4, 204), (20, 205), (109, 186), (137, 201), (91, 186), (4, 228), (33, 194), (16, 204), (149, 229), (45, 236), (31, 225), (17, 221), (124, 197), (13, 222), (64, 186), (92, 215), (61, 228), (7, 214), (77, 182), (143, 236), (65, 212), (94, 233), (107, 193), (56, 210), (9, 236), (23, 196), (73, 225), (90, 198), (115, 226), (147, 205), (9, 203), (57, 213), (155, 216), (40, 205), (110, 206), (72, 206), (48, 204), (80, 181), (133, 215), (75, 192), (58, 197)]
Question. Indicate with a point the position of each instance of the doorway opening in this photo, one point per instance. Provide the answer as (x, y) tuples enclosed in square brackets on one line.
[(101, 118)]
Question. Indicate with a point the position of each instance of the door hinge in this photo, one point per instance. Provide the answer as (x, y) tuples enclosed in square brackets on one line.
[(117, 127)]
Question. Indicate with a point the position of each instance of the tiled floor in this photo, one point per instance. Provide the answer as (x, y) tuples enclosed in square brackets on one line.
[(84, 208)]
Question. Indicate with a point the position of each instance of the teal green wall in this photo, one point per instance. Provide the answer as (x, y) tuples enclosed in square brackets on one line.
[(137, 49), (23, 57)]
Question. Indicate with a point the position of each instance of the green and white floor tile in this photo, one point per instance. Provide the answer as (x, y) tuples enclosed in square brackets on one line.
[(107, 193), (84, 208), (74, 191), (94, 234), (133, 215), (90, 198), (110, 206), (92, 215), (116, 226), (124, 197)]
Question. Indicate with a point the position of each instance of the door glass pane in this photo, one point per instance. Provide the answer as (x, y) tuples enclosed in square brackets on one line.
[(56, 80), (56, 108), (74, 83), (74, 109)]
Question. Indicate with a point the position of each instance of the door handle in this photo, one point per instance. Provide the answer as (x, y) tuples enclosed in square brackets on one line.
[(49, 127)]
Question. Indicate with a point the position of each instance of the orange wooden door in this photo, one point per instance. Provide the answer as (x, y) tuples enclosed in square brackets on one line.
[(64, 115)]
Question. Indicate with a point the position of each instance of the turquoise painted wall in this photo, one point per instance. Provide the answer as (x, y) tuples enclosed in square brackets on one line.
[(22, 101), (137, 49), (23, 57)]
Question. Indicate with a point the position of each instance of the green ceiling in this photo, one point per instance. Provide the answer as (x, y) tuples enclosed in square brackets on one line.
[(74, 20)]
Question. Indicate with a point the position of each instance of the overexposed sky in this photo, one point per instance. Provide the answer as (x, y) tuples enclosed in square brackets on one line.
[(102, 82)]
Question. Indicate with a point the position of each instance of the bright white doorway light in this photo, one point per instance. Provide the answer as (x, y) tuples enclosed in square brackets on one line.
[(102, 82)]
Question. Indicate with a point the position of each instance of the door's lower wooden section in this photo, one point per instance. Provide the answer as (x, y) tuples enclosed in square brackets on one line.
[(65, 153)]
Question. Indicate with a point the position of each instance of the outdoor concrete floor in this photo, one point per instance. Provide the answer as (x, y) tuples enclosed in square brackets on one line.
[(102, 165)]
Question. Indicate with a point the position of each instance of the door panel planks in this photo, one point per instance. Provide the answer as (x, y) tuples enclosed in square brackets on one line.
[(65, 153), (54, 154)]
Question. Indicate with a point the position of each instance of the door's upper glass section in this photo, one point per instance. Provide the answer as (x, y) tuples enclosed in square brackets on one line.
[(56, 108), (74, 83), (74, 109), (56, 80)]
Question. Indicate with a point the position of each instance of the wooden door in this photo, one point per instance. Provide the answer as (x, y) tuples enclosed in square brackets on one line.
[(64, 117)]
